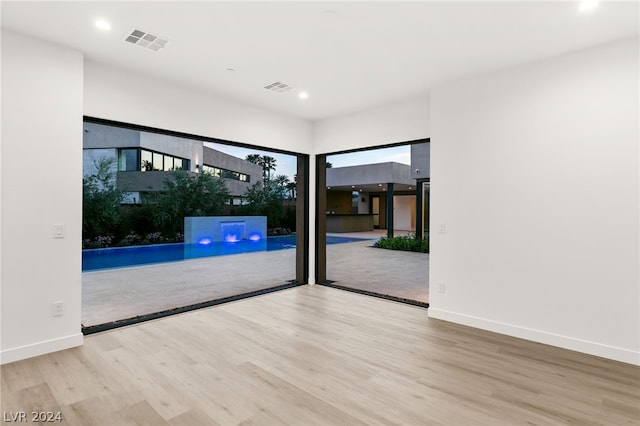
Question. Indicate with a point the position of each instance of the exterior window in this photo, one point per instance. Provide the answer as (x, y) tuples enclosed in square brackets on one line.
[(168, 163), (181, 164), (227, 174), (146, 160), (212, 170), (157, 161), (128, 160), (135, 159)]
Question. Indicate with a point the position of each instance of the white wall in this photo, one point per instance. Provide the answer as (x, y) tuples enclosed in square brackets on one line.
[(535, 174), (398, 122), (403, 206), (117, 95), (41, 186)]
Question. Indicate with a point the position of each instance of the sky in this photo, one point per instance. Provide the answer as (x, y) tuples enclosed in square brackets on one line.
[(287, 164)]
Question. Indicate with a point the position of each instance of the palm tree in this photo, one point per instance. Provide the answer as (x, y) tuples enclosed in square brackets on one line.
[(281, 180), (291, 187), (254, 158), (268, 164)]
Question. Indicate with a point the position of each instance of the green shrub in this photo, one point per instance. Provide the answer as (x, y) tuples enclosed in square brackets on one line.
[(405, 243)]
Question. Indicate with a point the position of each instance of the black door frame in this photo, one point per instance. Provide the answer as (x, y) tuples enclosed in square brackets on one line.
[(302, 223), (321, 207)]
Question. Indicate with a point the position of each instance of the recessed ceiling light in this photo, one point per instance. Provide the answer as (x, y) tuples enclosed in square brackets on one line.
[(588, 5), (303, 95), (230, 70), (103, 25)]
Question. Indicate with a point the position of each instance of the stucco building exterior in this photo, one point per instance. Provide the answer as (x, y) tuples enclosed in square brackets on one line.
[(142, 161), (389, 195)]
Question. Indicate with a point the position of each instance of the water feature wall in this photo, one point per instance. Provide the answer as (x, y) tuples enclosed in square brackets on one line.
[(208, 229)]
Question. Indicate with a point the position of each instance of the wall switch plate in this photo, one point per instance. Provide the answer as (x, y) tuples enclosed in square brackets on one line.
[(442, 228), (58, 230), (57, 309), (442, 287)]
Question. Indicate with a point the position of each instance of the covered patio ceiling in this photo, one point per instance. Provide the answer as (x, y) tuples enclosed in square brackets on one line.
[(380, 187)]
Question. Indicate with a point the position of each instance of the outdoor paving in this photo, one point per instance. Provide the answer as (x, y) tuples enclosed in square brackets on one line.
[(121, 293), (114, 294), (389, 272)]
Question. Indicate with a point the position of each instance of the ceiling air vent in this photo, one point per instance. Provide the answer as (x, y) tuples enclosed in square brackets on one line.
[(143, 39), (278, 87)]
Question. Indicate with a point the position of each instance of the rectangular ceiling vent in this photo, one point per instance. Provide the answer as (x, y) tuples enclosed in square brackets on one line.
[(144, 39), (278, 87)]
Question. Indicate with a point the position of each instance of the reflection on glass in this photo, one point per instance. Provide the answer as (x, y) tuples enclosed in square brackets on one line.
[(127, 160), (146, 161), (157, 161)]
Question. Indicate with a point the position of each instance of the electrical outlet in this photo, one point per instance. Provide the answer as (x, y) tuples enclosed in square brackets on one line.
[(442, 228), (442, 287), (57, 309)]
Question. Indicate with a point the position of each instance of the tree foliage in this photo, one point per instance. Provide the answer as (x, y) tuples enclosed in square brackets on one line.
[(188, 194), (101, 201), (267, 163)]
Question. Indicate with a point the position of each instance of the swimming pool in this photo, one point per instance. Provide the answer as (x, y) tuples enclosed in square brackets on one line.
[(119, 257)]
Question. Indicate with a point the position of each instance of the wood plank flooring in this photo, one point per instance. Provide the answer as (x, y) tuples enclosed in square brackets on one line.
[(313, 355)]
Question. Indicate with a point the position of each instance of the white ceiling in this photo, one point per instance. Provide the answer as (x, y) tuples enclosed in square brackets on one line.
[(348, 56)]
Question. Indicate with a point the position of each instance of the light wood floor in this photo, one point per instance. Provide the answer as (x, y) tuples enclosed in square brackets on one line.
[(313, 355)]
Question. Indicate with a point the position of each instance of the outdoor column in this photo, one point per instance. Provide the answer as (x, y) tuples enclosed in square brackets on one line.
[(389, 210), (419, 218)]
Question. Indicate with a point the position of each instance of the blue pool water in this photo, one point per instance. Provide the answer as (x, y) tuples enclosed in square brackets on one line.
[(142, 255)]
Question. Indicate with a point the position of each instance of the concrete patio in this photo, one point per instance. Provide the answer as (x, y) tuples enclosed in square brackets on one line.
[(121, 293)]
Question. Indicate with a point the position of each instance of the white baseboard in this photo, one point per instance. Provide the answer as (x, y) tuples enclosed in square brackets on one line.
[(584, 346), (40, 348)]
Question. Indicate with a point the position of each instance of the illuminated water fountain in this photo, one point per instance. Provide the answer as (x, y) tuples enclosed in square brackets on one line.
[(234, 231), (209, 230)]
